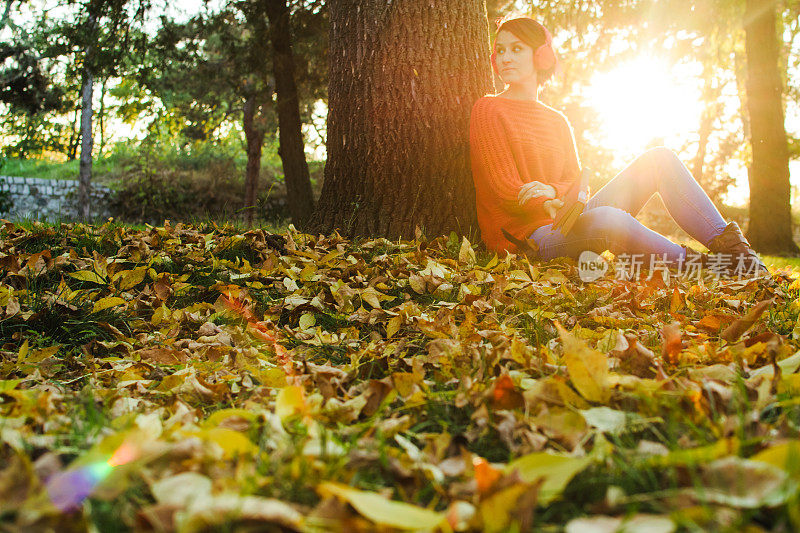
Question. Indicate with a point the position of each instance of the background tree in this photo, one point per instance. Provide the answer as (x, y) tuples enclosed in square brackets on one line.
[(233, 48), (403, 78), (292, 144), (27, 86), (98, 38), (770, 227)]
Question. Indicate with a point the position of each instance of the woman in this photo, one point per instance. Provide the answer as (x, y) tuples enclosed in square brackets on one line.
[(524, 160)]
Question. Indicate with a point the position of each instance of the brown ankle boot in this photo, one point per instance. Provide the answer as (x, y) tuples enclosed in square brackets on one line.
[(732, 242)]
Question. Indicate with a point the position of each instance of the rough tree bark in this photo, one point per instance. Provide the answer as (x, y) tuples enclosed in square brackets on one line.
[(254, 138), (87, 141), (291, 145), (770, 228), (85, 168), (403, 78)]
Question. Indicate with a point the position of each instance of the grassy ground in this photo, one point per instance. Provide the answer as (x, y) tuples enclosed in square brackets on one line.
[(44, 169), (200, 378)]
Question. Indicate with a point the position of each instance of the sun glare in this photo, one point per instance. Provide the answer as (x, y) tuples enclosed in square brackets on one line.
[(643, 102)]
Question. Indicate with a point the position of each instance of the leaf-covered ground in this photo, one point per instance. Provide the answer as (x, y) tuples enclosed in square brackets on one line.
[(195, 378)]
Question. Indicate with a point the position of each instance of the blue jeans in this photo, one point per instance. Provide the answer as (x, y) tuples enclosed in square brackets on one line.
[(608, 221)]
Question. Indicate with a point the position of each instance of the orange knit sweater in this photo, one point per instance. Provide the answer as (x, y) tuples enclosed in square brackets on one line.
[(513, 142)]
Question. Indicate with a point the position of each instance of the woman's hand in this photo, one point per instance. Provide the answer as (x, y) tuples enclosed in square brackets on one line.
[(535, 189), (552, 206)]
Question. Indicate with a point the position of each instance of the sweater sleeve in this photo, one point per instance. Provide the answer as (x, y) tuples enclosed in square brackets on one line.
[(494, 168), (572, 165)]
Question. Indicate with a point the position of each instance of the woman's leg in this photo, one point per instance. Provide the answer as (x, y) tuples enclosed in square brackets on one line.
[(660, 171), (607, 228)]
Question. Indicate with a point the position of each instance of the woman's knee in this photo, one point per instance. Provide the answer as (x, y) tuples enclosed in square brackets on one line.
[(661, 155), (609, 220)]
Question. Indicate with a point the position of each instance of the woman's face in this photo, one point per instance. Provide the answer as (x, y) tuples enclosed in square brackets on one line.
[(514, 59)]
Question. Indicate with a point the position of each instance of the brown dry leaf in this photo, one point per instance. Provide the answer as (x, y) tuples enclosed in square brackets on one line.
[(163, 355), (17, 480), (671, 333), (711, 323), (741, 325), (375, 395), (636, 359), (504, 394), (678, 301)]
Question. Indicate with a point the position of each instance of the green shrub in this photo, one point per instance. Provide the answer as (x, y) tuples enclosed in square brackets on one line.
[(197, 181)]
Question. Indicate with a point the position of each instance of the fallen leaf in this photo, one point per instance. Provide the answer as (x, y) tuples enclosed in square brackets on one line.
[(740, 326), (587, 367), (557, 471), (505, 395), (382, 510)]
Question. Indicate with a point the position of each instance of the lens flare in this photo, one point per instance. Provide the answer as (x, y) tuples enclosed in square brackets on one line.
[(68, 489)]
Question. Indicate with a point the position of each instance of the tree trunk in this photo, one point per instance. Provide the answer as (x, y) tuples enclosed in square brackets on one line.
[(403, 78), (254, 137), (74, 136), (85, 173), (770, 227), (292, 147), (101, 119)]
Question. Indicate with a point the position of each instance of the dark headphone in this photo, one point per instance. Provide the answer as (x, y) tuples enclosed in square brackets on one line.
[(544, 57)]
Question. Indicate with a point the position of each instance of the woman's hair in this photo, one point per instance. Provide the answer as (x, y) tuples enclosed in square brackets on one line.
[(537, 37)]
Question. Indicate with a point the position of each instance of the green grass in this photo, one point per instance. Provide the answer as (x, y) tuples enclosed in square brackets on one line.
[(775, 262), (53, 170)]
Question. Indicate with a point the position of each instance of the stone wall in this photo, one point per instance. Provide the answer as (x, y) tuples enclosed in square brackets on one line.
[(51, 200)]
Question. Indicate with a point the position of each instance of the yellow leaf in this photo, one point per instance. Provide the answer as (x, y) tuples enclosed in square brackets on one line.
[(162, 314), (107, 303), (785, 456), (466, 254), (9, 384), (496, 510), (271, 377), (393, 326), (677, 301), (23, 352), (218, 416), (417, 283), (130, 278), (307, 321), (89, 275), (404, 382), (37, 356), (232, 442), (699, 455), (384, 511), (372, 297), (557, 471), (588, 368), (290, 401)]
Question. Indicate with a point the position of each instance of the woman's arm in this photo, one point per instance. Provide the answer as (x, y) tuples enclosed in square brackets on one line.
[(496, 175)]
